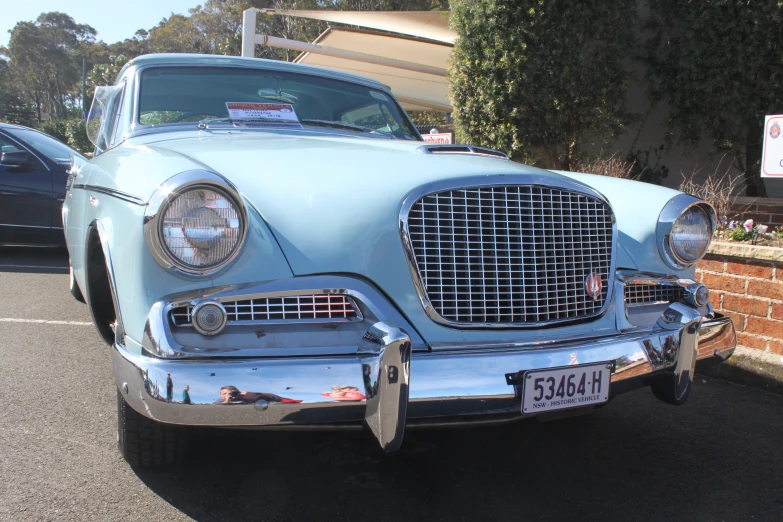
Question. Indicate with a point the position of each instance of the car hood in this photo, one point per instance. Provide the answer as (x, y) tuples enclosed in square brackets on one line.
[(333, 204)]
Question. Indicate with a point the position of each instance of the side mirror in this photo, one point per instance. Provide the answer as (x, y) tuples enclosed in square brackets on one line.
[(15, 158)]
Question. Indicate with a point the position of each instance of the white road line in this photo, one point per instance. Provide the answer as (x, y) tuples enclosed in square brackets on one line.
[(34, 266), (41, 321)]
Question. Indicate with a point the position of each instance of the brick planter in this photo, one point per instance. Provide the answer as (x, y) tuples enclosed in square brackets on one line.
[(746, 283), (766, 211)]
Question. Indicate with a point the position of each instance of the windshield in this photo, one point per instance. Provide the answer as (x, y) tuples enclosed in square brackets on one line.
[(226, 95), (47, 146)]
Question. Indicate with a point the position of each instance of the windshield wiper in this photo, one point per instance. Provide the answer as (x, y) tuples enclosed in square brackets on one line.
[(342, 125), (204, 124)]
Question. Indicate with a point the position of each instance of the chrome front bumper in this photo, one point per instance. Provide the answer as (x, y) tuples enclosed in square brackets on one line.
[(386, 385)]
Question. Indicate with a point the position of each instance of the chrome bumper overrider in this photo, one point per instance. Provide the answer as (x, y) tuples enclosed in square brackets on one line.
[(387, 386)]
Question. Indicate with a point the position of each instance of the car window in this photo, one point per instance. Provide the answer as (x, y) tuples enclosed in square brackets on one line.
[(373, 116), (7, 145), (170, 95), (116, 136), (49, 147)]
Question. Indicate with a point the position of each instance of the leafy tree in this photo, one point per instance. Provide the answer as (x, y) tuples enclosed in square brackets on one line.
[(106, 73), (13, 108), (42, 73), (220, 23), (541, 80), (45, 59), (719, 66)]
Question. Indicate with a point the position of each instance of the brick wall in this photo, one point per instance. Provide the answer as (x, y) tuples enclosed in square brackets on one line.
[(766, 211), (749, 291)]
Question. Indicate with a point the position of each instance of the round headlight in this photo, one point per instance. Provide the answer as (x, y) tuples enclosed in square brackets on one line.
[(690, 235), (201, 228)]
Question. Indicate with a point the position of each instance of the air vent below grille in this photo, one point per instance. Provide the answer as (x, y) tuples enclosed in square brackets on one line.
[(637, 295), (298, 308)]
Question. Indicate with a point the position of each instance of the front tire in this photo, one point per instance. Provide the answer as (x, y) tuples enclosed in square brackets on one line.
[(666, 390), (145, 443)]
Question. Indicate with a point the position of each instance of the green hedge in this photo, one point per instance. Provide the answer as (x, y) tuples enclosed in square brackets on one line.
[(72, 132)]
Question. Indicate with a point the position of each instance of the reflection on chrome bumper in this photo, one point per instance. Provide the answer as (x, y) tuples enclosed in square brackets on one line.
[(386, 385)]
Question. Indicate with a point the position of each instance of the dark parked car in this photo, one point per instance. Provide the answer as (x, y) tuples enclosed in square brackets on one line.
[(33, 174)]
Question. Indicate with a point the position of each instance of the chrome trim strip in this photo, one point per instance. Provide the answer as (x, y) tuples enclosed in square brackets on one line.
[(673, 209), (111, 192), (526, 179), (28, 226), (158, 204)]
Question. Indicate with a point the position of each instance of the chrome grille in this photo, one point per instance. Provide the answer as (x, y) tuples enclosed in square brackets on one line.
[(324, 307), (652, 294), (511, 254)]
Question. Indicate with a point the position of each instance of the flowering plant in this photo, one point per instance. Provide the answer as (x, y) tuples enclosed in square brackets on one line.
[(743, 231)]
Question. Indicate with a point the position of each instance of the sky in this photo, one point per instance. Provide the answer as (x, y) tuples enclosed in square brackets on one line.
[(114, 20)]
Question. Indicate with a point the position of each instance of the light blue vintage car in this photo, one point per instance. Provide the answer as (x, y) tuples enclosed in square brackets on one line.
[(264, 244)]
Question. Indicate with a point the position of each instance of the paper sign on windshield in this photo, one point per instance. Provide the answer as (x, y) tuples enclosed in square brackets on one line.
[(282, 112)]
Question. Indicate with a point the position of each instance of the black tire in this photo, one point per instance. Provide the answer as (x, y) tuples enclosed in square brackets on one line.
[(665, 389), (145, 443), (75, 290)]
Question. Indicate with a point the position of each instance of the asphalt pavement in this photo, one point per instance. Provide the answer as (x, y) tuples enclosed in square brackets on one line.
[(719, 457)]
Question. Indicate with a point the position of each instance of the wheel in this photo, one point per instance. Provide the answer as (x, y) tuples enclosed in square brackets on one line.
[(75, 290), (665, 389), (145, 443)]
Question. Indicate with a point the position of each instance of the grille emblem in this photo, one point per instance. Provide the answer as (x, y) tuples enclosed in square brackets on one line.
[(593, 285)]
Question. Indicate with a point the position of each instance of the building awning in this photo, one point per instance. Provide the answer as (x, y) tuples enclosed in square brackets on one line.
[(432, 25), (415, 90), (411, 56)]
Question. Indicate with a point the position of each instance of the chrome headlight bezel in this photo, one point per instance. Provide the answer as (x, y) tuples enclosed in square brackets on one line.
[(676, 207), (159, 203)]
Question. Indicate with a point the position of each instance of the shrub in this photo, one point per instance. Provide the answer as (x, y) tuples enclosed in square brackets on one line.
[(719, 190), (613, 167), (541, 80), (72, 132), (56, 129), (718, 65), (76, 132)]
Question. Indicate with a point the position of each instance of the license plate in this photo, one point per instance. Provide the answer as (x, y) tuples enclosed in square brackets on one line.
[(568, 387)]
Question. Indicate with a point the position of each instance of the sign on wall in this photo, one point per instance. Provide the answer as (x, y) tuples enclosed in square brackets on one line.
[(439, 137), (772, 153)]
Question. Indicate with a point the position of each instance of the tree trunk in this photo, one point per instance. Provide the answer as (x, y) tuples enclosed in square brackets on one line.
[(754, 185), (38, 105), (568, 159), (60, 101)]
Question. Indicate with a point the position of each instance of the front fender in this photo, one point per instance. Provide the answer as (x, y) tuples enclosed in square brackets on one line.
[(139, 281)]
